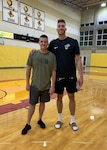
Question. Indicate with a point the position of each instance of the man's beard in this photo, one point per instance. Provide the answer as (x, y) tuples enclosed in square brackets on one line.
[(61, 33)]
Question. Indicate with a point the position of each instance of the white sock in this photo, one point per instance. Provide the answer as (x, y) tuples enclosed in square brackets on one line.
[(72, 119), (60, 117)]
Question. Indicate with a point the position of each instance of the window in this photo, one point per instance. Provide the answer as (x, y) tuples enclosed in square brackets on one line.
[(101, 37), (86, 32), (91, 32), (104, 42), (99, 31), (90, 43), (105, 31), (81, 33), (105, 22), (81, 38), (98, 42), (81, 43), (85, 43), (86, 38), (101, 22), (90, 37)]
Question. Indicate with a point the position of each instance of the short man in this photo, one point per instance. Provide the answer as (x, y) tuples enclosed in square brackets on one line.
[(42, 63)]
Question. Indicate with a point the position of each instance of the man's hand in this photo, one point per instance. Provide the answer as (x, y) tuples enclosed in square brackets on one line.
[(31, 52), (28, 87), (52, 90), (79, 82)]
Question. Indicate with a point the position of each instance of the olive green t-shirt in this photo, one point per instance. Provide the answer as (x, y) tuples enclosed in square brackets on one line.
[(42, 67)]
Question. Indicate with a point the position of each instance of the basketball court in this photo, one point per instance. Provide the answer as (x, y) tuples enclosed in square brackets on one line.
[(91, 100)]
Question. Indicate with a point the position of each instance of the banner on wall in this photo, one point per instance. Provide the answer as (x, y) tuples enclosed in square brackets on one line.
[(39, 19), (26, 15), (4, 34), (10, 11)]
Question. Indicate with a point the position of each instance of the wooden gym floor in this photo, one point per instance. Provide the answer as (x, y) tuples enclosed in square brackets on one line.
[(91, 100)]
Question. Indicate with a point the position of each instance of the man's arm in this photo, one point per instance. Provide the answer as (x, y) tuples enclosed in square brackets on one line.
[(31, 52), (52, 89), (28, 74), (80, 69)]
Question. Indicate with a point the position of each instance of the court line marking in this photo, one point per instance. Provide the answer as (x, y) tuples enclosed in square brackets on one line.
[(37, 142), (82, 142), (5, 93)]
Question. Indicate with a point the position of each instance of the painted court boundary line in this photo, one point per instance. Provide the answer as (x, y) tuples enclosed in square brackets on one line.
[(76, 142)]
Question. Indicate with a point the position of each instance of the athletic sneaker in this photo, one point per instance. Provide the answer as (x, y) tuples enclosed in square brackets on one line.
[(25, 129), (41, 124)]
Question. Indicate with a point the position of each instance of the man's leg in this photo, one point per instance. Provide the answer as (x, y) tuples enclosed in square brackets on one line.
[(41, 111), (59, 110), (59, 106), (30, 113), (71, 103), (72, 107), (59, 103)]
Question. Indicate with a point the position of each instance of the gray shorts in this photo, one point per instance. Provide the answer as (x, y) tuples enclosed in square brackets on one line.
[(38, 96)]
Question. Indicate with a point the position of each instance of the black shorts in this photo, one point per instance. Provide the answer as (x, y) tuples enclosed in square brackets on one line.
[(36, 95), (68, 83)]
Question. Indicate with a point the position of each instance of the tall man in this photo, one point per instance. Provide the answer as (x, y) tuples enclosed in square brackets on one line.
[(67, 54)]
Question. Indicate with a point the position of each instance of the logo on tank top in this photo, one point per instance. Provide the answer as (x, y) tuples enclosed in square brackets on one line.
[(67, 46)]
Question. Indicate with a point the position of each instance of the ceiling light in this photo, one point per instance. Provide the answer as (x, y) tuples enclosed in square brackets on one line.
[(103, 4)]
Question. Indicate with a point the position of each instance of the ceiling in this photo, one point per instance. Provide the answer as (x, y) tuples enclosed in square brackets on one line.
[(82, 4)]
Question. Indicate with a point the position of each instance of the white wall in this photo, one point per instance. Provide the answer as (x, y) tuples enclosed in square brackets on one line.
[(53, 11), (91, 15), (87, 16), (101, 14)]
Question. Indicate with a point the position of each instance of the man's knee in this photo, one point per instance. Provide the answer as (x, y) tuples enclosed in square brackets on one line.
[(60, 96)]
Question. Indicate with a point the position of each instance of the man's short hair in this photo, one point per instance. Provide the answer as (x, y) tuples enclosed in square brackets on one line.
[(43, 36), (61, 20)]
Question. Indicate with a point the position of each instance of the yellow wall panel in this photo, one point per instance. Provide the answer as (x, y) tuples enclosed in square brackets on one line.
[(98, 59), (13, 56)]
